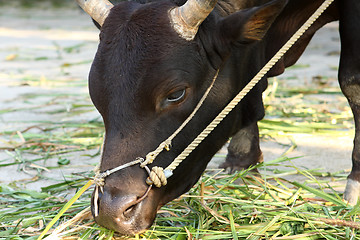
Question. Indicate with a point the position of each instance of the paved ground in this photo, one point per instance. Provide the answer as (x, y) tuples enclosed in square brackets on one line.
[(48, 53), (45, 54)]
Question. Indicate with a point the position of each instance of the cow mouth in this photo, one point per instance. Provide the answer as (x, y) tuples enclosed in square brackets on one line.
[(123, 213)]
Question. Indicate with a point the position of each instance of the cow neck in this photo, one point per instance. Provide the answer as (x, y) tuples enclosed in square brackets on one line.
[(158, 176)]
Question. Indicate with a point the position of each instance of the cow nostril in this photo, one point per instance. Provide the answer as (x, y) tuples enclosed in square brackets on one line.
[(124, 213), (129, 212), (129, 209)]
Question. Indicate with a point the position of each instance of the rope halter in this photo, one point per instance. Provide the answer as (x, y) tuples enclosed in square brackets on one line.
[(99, 180), (157, 176)]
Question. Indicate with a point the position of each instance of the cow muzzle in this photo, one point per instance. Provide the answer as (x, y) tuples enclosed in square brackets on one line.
[(123, 212)]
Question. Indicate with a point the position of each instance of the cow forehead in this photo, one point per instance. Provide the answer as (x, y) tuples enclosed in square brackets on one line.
[(149, 21), (136, 36), (143, 42), (138, 48)]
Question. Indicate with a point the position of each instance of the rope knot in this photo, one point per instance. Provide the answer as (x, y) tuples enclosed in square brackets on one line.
[(150, 157), (157, 177), (98, 179)]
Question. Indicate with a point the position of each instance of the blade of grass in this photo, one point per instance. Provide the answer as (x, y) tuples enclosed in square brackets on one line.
[(65, 208), (232, 226), (321, 194)]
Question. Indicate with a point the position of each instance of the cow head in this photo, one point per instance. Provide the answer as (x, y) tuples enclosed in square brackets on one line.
[(153, 64)]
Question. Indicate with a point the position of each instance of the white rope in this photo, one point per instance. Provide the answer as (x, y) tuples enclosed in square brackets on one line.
[(111, 171), (248, 87)]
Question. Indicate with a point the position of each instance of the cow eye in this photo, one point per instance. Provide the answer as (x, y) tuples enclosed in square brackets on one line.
[(176, 96)]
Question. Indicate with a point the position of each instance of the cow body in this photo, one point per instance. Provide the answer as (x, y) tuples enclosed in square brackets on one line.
[(146, 79)]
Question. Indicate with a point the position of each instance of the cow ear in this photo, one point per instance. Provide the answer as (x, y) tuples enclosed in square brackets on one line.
[(251, 24)]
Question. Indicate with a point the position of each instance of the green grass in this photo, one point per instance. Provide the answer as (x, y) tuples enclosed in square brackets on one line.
[(297, 110), (215, 208)]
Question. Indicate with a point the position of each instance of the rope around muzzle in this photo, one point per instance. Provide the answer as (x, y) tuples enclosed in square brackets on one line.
[(157, 175), (99, 181)]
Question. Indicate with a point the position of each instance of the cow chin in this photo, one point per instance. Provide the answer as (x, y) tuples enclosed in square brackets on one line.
[(122, 214)]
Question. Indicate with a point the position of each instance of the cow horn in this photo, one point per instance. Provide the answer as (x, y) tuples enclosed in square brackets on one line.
[(187, 18), (97, 9)]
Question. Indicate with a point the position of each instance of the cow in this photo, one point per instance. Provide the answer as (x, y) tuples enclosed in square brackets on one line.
[(154, 62)]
